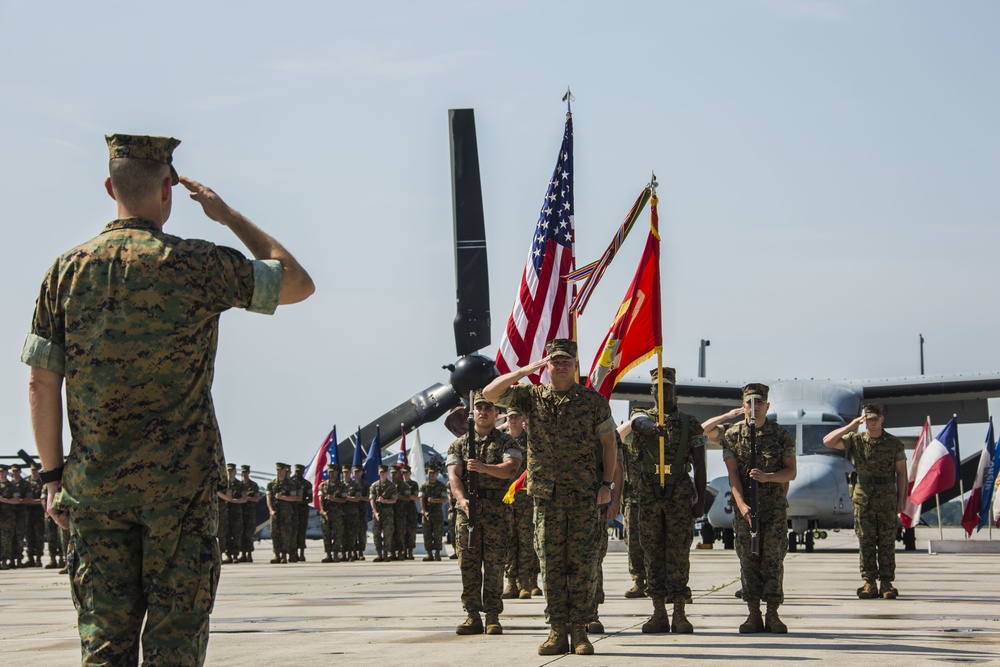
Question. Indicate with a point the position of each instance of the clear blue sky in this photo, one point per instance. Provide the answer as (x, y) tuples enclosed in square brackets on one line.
[(828, 178)]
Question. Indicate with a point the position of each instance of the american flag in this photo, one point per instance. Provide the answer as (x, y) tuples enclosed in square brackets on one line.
[(541, 310), (316, 471)]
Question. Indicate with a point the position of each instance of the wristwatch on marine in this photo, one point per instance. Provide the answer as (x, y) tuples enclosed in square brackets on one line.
[(610, 485)]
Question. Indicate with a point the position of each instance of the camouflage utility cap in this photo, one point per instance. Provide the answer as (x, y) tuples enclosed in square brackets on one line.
[(383, 468), (4, 467), (35, 466), (231, 466), (669, 375), (479, 398), (333, 466), (359, 468), (280, 466), (874, 409), (299, 467), (561, 347), (244, 468), (406, 468), (158, 149), (756, 391), (15, 466), (514, 412)]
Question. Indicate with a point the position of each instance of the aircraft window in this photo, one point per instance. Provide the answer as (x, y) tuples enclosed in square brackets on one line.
[(812, 439)]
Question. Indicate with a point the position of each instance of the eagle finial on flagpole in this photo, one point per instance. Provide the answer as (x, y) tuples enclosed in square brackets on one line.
[(568, 99)]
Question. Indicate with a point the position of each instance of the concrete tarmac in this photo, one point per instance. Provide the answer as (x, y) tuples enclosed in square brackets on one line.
[(367, 613)]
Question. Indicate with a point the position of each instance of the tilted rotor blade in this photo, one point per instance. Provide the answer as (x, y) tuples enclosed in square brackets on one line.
[(427, 406), (472, 321)]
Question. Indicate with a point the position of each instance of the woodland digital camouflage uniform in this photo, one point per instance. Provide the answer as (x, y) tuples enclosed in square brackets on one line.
[(249, 510), (522, 562), (434, 521), (8, 523), (304, 491), (399, 513), (563, 481), (762, 575), (666, 527), (410, 513), (630, 510), (383, 526), (234, 520), (875, 497), (137, 350), (351, 516), (283, 523), (363, 508), (35, 521), (483, 566), (333, 522), (20, 490)]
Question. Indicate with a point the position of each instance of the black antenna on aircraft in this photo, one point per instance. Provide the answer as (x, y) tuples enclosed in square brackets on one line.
[(921, 353), (701, 357)]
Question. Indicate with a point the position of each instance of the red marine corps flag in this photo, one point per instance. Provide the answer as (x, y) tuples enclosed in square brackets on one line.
[(635, 334)]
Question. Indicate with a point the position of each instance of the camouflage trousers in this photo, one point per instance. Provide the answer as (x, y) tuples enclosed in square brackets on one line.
[(567, 542), (249, 526), (636, 559), (56, 538), (522, 564), (762, 575), (283, 524), (602, 551), (159, 561), (333, 527), (399, 526), (362, 527), (35, 533), (234, 517), (876, 530), (223, 524), (301, 524), (666, 530), (411, 524), (433, 528), (9, 533), (350, 527), (384, 528), (482, 567)]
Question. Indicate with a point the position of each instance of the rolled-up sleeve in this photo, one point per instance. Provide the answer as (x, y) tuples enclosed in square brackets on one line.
[(266, 286), (38, 351)]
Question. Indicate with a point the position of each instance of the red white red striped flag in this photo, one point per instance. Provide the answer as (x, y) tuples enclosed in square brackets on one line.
[(541, 309)]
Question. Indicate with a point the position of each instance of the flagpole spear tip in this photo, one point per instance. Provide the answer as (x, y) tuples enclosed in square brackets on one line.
[(568, 98)]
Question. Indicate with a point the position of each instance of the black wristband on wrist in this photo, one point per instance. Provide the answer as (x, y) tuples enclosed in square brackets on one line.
[(54, 475)]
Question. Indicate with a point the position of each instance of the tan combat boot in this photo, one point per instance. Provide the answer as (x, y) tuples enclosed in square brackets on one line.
[(638, 589), (772, 623), (473, 625), (887, 591), (578, 639), (493, 626), (869, 591), (680, 623), (557, 642), (595, 626), (754, 622), (510, 592), (535, 590), (659, 622)]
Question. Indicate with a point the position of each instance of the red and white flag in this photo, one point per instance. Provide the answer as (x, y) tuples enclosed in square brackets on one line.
[(541, 310), (316, 471), (911, 514), (938, 467), (635, 333)]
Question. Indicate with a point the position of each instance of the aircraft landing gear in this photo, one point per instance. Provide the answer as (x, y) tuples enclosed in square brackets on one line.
[(728, 538), (793, 541), (808, 539)]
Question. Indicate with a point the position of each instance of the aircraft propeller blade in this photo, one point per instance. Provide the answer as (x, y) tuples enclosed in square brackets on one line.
[(472, 321)]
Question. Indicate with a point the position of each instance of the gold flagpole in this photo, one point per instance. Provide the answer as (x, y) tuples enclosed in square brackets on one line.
[(659, 405)]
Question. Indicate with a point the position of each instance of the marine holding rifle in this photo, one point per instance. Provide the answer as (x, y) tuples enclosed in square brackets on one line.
[(761, 568), (485, 524), (667, 512)]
